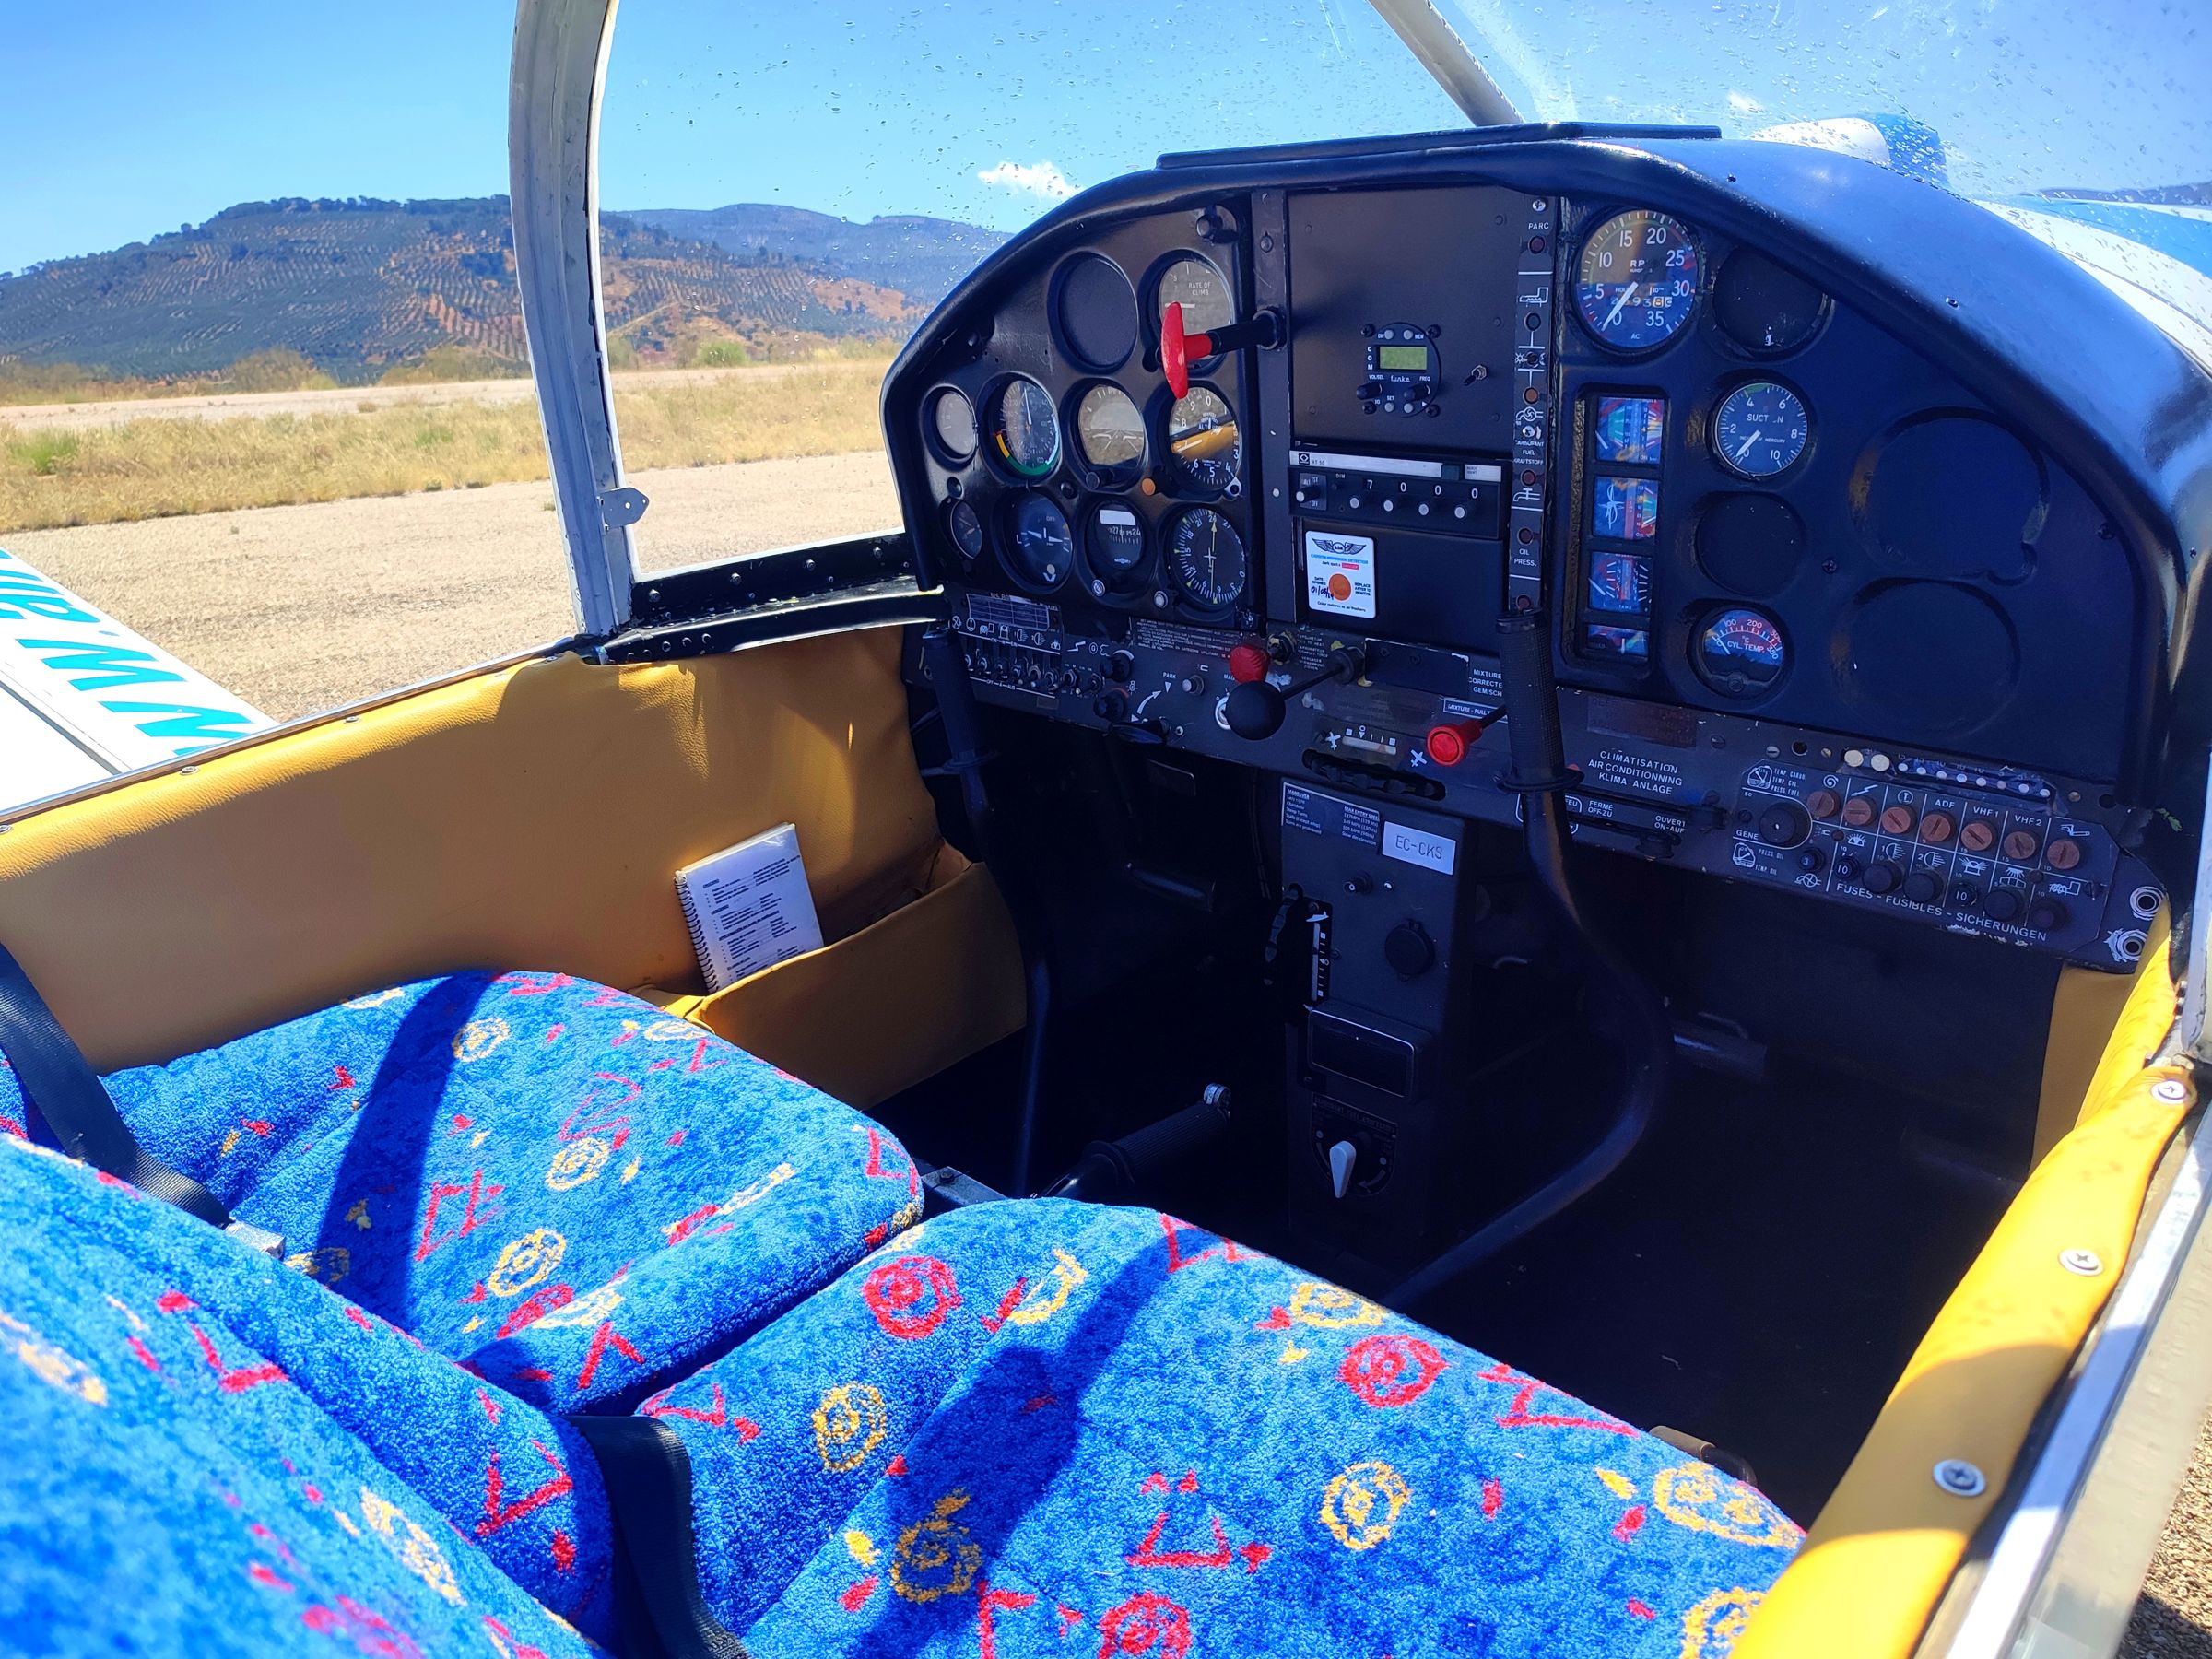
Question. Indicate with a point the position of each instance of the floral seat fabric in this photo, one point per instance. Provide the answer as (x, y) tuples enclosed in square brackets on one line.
[(209, 1454), (1045, 1429), (552, 1181)]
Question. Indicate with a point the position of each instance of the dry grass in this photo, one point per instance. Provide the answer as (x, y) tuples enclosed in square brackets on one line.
[(157, 469)]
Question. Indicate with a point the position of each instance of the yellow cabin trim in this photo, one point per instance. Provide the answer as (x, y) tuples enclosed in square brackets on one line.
[(1886, 1547)]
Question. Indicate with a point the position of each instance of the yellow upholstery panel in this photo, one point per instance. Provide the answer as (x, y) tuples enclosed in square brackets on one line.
[(895, 1003), (2081, 1051), (532, 817), (1884, 1549)]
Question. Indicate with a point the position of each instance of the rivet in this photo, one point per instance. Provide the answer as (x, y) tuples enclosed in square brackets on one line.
[(2172, 1090), (190, 770), (1960, 1478), (353, 720), (2087, 1263)]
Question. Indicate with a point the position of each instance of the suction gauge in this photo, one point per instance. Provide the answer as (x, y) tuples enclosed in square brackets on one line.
[(1760, 429)]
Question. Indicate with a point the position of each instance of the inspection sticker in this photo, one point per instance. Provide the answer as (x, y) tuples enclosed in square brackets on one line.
[(1340, 574)]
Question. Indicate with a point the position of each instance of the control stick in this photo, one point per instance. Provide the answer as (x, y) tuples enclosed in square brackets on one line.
[(1255, 708), (1177, 348)]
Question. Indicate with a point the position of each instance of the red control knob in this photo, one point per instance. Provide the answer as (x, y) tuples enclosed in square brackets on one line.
[(1448, 745), (1247, 663), (1175, 349)]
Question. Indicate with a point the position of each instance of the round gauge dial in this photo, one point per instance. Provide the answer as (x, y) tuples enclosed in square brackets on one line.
[(1113, 546), (1109, 429), (1206, 557), (1636, 281), (1024, 430), (1200, 290), (965, 525), (1041, 550), (1203, 446), (952, 423), (1763, 308), (1740, 651), (1760, 429)]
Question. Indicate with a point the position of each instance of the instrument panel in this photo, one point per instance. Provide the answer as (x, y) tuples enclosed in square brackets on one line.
[(1061, 463), (1818, 602)]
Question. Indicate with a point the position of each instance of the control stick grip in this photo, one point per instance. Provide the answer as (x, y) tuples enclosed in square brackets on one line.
[(1532, 698)]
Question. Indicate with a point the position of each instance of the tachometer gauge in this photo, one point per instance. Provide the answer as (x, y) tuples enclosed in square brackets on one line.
[(1760, 429), (1109, 431), (952, 424), (1041, 550), (1113, 547), (1200, 290), (1024, 430), (1205, 556), (1740, 653), (1203, 447), (1636, 281)]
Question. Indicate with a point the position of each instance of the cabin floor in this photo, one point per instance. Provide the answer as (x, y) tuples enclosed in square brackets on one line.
[(1758, 1273)]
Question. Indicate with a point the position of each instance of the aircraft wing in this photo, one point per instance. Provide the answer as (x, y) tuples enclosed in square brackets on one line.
[(82, 697)]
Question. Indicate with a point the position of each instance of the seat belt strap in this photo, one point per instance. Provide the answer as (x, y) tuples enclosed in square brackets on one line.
[(647, 1474), (60, 1085)]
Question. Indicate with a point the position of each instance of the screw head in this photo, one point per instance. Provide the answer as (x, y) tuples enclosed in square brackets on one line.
[(2087, 1263), (1960, 1478), (2172, 1090)]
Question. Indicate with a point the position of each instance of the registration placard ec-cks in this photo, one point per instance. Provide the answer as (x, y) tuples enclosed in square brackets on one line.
[(1409, 845)]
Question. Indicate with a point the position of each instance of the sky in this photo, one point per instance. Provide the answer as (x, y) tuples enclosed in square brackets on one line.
[(151, 113)]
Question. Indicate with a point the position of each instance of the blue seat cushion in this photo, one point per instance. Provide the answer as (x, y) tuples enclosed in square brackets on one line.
[(555, 1182), (1046, 1427), (209, 1454)]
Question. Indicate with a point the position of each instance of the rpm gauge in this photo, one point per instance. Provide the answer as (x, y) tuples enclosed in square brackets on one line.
[(1041, 550), (1637, 280), (1205, 556), (1203, 446), (1024, 430), (1760, 429), (1740, 653)]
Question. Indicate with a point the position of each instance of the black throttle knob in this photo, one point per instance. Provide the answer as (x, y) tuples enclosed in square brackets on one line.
[(1254, 709)]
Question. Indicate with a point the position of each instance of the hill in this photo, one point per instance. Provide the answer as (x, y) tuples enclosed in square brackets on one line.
[(362, 287), (911, 252)]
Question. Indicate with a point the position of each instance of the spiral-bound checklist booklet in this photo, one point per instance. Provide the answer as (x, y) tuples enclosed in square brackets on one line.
[(750, 906)]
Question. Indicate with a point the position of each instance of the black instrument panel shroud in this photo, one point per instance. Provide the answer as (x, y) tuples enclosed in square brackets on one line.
[(1982, 551)]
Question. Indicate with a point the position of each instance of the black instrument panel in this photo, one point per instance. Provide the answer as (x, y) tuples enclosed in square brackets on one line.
[(1748, 506), (1781, 509), (1057, 461)]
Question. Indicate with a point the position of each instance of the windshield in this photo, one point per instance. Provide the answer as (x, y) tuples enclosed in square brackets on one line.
[(2021, 95), (790, 189)]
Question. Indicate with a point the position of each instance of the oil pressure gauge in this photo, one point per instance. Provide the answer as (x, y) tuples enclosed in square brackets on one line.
[(1760, 429)]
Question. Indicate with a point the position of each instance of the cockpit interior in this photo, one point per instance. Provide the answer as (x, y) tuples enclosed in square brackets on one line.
[(1573, 740)]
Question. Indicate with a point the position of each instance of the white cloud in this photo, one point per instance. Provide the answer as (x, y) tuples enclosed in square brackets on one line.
[(1042, 179), (1743, 103)]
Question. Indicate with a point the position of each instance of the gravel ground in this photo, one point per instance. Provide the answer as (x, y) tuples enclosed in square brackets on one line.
[(2173, 1619), (303, 608), (299, 610)]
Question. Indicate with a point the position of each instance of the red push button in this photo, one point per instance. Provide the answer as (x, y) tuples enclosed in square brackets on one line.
[(1448, 745), (1247, 663)]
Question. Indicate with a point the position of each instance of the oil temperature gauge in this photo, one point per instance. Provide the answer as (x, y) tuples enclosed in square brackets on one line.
[(1739, 651)]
